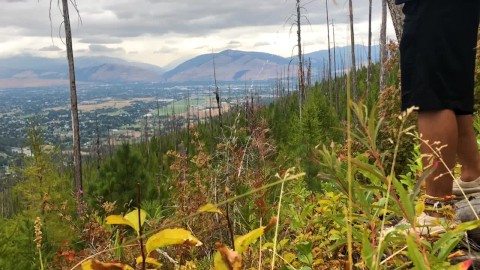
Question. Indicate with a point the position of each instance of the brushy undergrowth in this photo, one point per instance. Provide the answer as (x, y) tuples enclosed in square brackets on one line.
[(218, 182)]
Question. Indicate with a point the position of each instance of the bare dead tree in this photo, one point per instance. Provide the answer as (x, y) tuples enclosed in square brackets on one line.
[(329, 57), (217, 92), (352, 39), (369, 60), (335, 68), (301, 80), (77, 156), (97, 143), (383, 44)]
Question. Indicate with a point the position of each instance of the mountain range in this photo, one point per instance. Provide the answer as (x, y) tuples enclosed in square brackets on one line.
[(230, 65)]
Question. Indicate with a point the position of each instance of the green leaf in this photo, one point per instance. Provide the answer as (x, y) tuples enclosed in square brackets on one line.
[(414, 254), (446, 244), (170, 237), (367, 251), (305, 252), (467, 226)]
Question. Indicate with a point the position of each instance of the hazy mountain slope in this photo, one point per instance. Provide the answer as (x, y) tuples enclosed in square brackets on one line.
[(230, 65), (30, 71)]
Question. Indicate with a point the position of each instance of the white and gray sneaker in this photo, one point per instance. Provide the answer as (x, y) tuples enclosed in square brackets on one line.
[(467, 187)]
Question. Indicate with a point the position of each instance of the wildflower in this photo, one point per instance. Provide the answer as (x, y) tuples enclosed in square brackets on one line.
[(38, 232)]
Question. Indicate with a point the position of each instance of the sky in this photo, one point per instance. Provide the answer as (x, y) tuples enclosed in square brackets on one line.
[(167, 32)]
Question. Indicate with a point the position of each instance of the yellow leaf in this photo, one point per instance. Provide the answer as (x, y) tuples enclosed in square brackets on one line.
[(133, 218), (130, 219), (242, 242), (169, 237), (289, 257), (419, 208), (149, 260), (97, 265), (210, 208), (117, 220), (226, 259)]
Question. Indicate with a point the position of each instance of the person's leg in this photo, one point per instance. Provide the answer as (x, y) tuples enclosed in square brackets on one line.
[(467, 150), (439, 126)]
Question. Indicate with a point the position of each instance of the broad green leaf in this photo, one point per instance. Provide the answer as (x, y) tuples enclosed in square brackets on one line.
[(169, 237), (97, 265), (210, 208), (148, 260), (305, 252), (130, 219)]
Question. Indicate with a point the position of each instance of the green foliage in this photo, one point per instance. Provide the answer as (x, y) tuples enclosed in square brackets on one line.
[(118, 178)]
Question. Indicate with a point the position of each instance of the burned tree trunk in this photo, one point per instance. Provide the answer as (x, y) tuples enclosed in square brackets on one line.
[(301, 80), (369, 60), (77, 157), (354, 67), (383, 45)]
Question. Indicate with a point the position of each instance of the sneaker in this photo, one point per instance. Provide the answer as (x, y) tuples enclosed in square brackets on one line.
[(467, 187), (425, 226)]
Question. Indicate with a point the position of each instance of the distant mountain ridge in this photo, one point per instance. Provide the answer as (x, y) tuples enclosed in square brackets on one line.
[(230, 65)]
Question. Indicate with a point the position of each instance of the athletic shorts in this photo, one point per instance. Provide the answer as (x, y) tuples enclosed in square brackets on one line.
[(437, 54)]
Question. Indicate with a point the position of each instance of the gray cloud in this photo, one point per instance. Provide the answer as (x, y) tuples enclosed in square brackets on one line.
[(104, 49), (234, 44), (51, 48), (123, 18), (100, 40), (261, 43)]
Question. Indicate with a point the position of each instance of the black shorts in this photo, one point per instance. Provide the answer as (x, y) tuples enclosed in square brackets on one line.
[(437, 54)]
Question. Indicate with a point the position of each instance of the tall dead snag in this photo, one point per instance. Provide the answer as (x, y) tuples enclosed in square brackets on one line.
[(354, 67), (217, 92), (369, 60), (77, 156), (335, 68), (301, 79), (397, 18), (383, 45), (329, 56)]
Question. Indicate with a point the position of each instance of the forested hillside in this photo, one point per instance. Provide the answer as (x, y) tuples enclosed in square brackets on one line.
[(308, 181), (278, 174)]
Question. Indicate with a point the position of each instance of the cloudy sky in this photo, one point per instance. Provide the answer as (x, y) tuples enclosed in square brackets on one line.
[(166, 32)]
